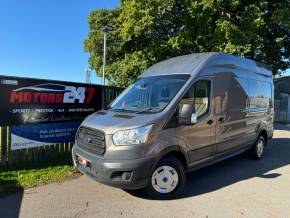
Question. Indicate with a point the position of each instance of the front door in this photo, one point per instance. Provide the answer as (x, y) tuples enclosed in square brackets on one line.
[(200, 137)]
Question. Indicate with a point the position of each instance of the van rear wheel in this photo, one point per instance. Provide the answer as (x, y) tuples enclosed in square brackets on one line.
[(258, 149), (167, 180)]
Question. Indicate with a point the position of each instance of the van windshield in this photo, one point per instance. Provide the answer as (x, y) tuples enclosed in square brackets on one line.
[(149, 94)]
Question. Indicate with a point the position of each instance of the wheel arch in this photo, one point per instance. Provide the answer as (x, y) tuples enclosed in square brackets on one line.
[(177, 152), (263, 132)]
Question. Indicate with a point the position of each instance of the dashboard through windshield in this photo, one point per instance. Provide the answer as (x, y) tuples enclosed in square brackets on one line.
[(149, 94)]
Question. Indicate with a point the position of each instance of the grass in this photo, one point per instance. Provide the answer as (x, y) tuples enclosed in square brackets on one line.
[(17, 178)]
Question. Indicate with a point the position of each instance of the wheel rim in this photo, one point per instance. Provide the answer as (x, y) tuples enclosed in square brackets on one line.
[(164, 179), (260, 147)]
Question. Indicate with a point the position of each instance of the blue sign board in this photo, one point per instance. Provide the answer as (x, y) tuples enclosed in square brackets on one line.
[(27, 136)]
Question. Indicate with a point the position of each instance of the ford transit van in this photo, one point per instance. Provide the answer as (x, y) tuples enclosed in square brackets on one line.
[(180, 115)]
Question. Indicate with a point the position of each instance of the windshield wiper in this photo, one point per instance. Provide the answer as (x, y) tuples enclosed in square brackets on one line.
[(147, 109)]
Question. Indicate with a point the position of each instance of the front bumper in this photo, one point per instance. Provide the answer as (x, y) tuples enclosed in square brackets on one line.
[(110, 172)]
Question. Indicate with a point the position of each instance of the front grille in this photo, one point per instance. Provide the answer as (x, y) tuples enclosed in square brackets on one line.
[(91, 140)]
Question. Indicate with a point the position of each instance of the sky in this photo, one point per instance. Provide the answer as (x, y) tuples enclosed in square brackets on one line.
[(44, 38)]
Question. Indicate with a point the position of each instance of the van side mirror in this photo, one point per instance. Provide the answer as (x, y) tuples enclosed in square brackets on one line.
[(187, 115)]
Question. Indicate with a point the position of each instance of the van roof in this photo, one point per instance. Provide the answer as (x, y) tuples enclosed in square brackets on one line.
[(192, 63)]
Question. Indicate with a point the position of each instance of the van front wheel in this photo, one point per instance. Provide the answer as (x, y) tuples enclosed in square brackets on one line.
[(167, 180)]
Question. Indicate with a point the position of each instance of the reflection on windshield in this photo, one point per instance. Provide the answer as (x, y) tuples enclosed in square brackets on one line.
[(149, 94)]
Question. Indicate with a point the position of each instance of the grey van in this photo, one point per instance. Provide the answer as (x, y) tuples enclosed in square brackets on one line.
[(180, 115)]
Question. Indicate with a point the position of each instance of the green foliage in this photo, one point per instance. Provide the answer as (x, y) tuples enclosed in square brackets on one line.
[(148, 31)]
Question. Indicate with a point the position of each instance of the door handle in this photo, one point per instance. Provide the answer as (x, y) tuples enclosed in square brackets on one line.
[(210, 122), (221, 119)]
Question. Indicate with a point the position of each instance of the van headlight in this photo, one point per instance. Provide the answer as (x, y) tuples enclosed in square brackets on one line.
[(132, 136)]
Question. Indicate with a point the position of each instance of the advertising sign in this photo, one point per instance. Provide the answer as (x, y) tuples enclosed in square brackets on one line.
[(29, 136), (35, 101)]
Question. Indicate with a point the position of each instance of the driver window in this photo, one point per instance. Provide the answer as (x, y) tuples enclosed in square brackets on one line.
[(199, 96)]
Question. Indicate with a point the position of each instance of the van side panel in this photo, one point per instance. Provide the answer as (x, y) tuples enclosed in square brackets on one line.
[(260, 108), (230, 104)]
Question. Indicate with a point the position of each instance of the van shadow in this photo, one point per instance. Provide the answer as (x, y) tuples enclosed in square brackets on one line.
[(239, 168), (236, 169)]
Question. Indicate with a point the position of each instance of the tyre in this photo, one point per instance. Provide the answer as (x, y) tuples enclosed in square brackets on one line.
[(167, 180), (258, 149)]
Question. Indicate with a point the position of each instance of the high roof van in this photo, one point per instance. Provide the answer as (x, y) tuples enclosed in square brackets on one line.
[(181, 114)]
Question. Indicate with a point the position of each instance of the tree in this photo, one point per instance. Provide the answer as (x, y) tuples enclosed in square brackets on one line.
[(148, 31)]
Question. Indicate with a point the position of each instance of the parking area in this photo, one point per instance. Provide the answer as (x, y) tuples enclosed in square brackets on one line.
[(238, 187)]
